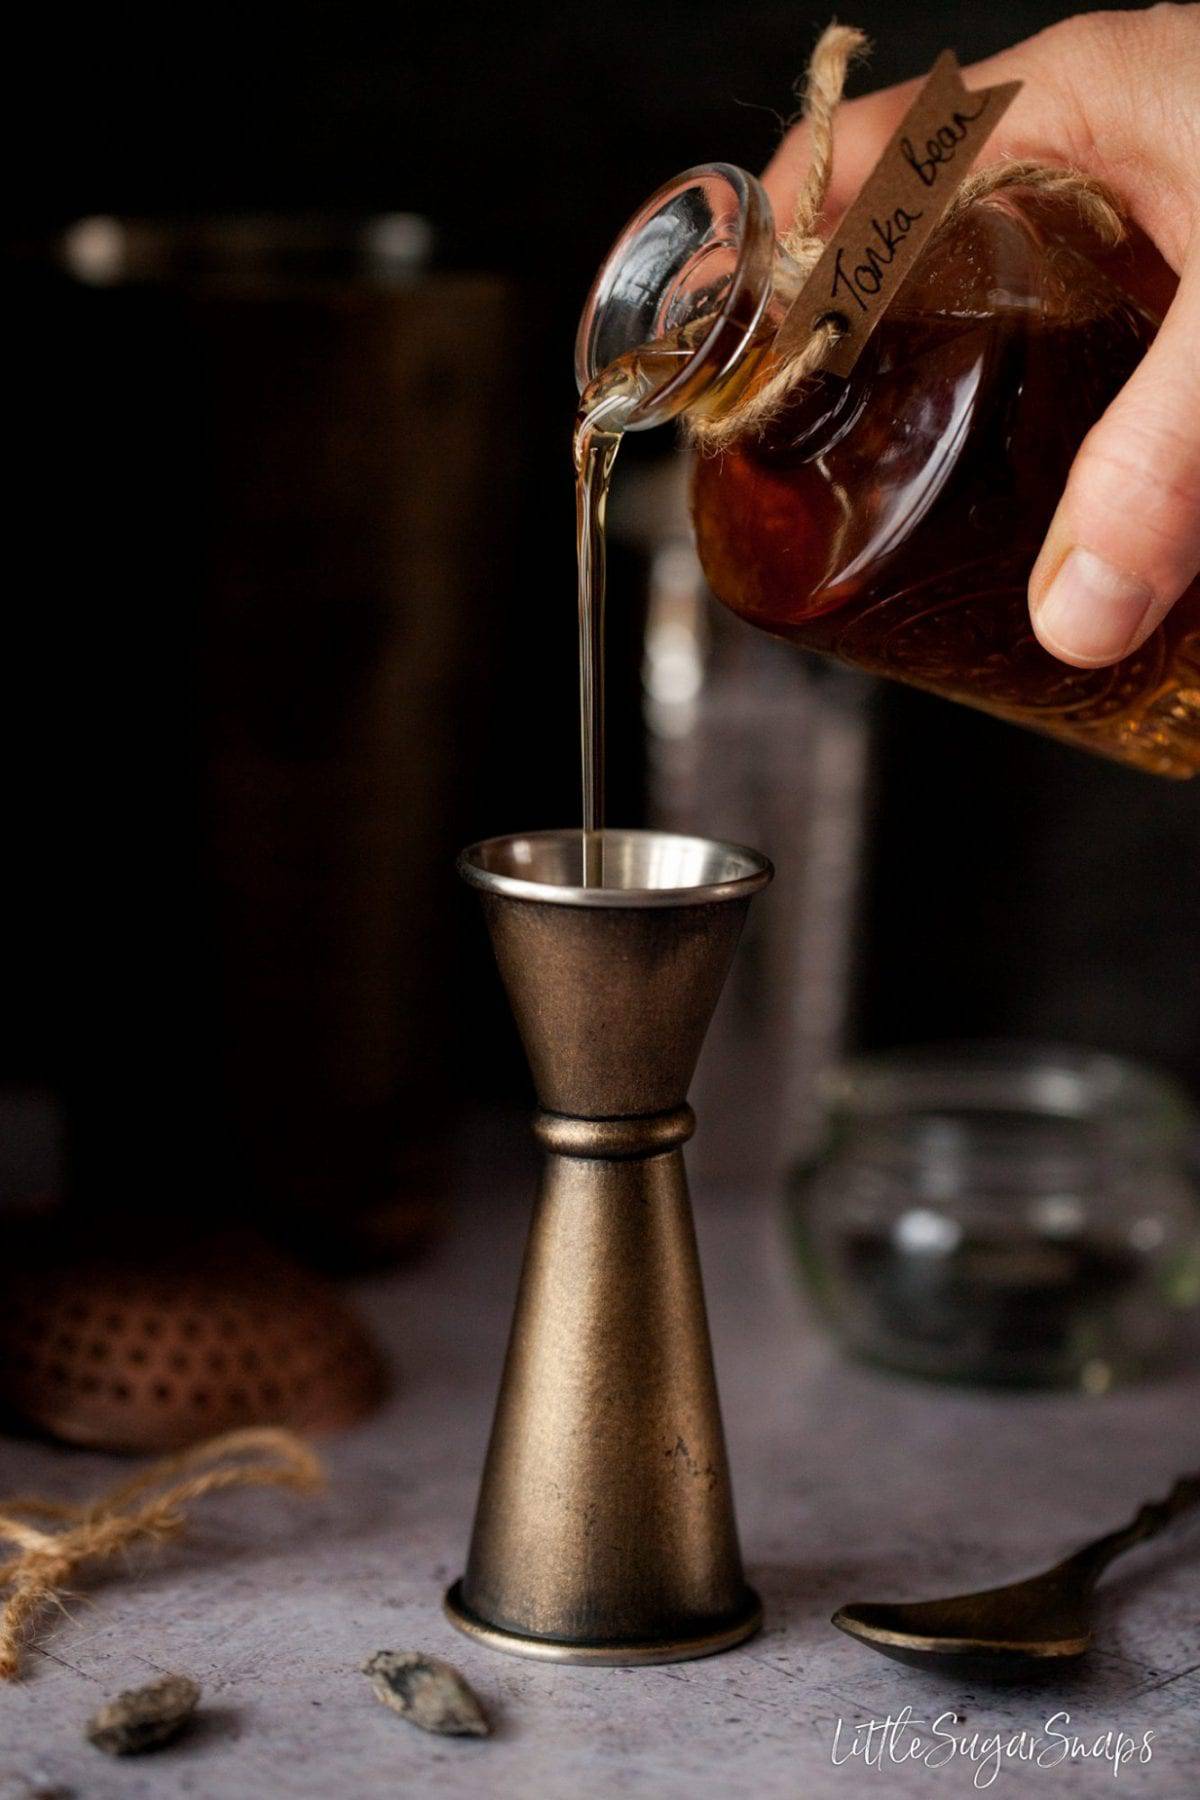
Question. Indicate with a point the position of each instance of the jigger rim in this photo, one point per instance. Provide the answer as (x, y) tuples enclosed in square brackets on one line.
[(726, 871)]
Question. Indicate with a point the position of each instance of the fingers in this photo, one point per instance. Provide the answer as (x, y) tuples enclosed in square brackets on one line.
[(1090, 84), (1124, 543), (1035, 122), (862, 129)]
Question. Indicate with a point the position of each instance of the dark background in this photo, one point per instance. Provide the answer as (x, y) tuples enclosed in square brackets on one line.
[(1013, 887)]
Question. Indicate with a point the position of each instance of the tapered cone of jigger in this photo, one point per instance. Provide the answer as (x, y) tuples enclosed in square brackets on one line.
[(605, 1529)]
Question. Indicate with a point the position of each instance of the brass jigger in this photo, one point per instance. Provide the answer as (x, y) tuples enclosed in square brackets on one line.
[(605, 1530)]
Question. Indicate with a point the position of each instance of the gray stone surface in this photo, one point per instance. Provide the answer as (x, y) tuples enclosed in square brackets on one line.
[(850, 1485)]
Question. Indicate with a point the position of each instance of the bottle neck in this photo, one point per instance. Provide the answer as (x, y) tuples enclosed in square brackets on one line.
[(688, 300), (691, 298)]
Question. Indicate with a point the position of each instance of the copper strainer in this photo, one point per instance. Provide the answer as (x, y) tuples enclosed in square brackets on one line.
[(126, 1350)]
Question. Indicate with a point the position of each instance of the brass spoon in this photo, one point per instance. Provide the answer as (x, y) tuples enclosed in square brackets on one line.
[(1029, 1627)]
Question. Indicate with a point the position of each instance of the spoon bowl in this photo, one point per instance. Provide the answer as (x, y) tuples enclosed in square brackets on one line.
[(1001, 1631), (1025, 1629)]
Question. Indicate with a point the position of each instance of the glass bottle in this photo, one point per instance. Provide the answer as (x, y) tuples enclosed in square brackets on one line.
[(891, 519)]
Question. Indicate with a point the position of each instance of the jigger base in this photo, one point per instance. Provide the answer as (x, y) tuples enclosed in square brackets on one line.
[(612, 1656)]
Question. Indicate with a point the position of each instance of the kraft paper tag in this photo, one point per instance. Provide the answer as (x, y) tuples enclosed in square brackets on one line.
[(863, 266)]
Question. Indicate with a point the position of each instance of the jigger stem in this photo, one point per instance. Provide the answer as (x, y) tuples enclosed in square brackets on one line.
[(605, 1528)]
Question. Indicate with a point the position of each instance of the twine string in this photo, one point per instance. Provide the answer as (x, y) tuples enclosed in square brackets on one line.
[(824, 85), (150, 1506)]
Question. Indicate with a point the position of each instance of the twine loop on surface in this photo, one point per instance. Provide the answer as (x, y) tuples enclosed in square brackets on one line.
[(36, 1578)]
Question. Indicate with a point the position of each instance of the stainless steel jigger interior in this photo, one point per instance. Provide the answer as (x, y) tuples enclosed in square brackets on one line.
[(605, 1530)]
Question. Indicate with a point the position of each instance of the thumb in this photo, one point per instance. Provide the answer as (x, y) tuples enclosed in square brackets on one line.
[(1124, 543)]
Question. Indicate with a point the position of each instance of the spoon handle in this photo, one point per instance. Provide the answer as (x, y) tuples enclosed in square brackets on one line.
[(1147, 1522)]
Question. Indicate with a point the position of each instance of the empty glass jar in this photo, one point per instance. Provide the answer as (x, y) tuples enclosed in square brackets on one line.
[(1003, 1215)]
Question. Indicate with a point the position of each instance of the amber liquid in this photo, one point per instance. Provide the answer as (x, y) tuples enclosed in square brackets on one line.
[(597, 441), (892, 521), (604, 411)]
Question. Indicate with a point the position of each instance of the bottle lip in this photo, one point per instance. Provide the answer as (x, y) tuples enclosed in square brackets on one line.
[(732, 321)]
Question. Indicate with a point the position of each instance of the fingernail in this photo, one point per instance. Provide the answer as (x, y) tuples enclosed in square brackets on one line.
[(1092, 611)]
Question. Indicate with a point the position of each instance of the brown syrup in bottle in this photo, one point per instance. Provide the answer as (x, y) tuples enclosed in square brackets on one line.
[(892, 520)]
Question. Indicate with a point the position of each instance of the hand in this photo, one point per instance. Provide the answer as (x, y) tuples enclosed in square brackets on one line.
[(1116, 95)]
